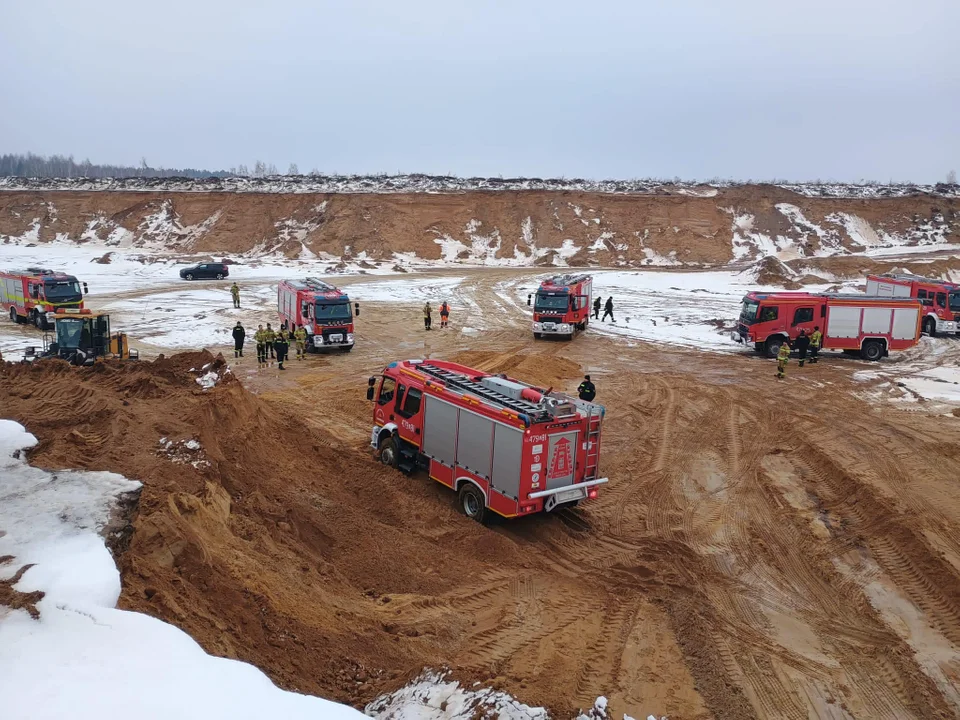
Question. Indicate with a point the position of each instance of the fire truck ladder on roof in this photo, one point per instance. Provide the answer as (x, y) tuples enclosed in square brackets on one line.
[(315, 284), (462, 382), (594, 418)]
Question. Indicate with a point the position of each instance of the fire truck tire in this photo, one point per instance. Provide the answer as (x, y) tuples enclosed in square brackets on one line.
[(39, 320), (930, 326), (872, 350), (14, 318), (472, 502), (389, 454), (772, 346), (537, 336)]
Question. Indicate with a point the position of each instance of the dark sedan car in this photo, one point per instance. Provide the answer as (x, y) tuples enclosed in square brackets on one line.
[(205, 271)]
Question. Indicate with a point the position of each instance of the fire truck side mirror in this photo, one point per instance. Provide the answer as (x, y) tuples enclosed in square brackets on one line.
[(356, 309), (86, 290), (370, 383)]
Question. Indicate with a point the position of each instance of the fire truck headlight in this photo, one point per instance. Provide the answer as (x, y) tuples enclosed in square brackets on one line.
[(318, 340), (563, 327), (537, 327), (349, 337)]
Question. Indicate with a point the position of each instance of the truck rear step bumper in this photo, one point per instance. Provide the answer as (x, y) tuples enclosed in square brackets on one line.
[(565, 488)]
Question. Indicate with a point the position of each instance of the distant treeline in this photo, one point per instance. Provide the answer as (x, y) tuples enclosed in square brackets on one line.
[(58, 166)]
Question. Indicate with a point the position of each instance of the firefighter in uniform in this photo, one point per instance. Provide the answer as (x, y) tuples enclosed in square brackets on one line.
[(239, 335), (608, 310), (816, 339), (426, 315), (281, 346), (802, 344), (782, 357), (270, 337), (444, 314), (260, 336), (596, 308), (587, 390), (300, 336), (235, 291)]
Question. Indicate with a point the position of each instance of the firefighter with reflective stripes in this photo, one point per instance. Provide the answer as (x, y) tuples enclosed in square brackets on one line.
[(782, 357), (260, 336), (300, 336), (816, 340), (270, 336)]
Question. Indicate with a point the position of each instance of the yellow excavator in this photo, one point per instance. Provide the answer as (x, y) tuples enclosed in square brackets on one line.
[(80, 337)]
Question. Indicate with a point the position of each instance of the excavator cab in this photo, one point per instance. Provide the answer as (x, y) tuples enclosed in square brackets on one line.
[(82, 338)]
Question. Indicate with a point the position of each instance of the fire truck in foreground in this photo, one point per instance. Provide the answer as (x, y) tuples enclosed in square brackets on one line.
[(866, 324), (502, 445), (36, 294), (562, 306), (322, 309), (940, 300)]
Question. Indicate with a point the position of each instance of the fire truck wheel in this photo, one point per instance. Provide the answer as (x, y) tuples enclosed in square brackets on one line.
[(388, 453), (537, 336), (472, 503), (872, 350), (14, 318), (930, 326), (39, 321), (773, 346)]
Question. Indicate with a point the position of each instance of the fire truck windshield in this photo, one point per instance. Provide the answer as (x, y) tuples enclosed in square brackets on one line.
[(955, 301), (748, 315), (62, 291), (326, 312), (551, 303)]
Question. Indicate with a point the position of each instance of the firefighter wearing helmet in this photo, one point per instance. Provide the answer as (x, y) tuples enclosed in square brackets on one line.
[(300, 337), (260, 337), (816, 340), (782, 357)]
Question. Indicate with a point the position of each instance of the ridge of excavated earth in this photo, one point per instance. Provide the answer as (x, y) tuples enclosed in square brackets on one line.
[(694, 227), (762, 549)]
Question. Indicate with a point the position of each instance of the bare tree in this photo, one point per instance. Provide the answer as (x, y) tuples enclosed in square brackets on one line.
[(952, 177), (271, 169), (293, 169), (259, 169), (242, 170)]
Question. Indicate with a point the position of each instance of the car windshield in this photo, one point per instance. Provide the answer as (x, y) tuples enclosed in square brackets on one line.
[(62, 291), (551, 303), (748, 315), (327, 311), (955, 301)]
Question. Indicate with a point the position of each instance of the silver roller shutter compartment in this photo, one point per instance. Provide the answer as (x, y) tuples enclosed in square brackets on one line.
[(439, 430), (475, 443)]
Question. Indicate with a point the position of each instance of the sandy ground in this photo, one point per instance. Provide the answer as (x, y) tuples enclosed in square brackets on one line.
[(763, 549)]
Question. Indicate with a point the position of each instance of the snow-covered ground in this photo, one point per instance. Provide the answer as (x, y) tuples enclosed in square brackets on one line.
[(927, 376), (83, 658)]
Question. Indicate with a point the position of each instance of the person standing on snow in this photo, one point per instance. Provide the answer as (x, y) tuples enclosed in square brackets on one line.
[(816, 340), (802, 344), (444, 314), (596, 308), (587, 390), (300, 336), (608, 310), (782, 357), (281, 346), (239, 334), (426, 315), (235, 291)]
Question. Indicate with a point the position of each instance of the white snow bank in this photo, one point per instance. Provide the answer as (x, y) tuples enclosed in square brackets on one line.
[(83, 658), (939, 383)]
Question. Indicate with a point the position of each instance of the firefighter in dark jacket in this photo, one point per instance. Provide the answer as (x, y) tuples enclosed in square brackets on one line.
[(596, 309), (271, 335), (608, 310), (802, 344), (587, 390), (239, 334), (281, 346)]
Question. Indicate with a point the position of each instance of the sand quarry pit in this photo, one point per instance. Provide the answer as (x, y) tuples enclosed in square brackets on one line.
[(762, 549)]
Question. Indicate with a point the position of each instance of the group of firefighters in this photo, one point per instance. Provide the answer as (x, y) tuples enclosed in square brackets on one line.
[(272, 345), (803, 344), (428, 313)]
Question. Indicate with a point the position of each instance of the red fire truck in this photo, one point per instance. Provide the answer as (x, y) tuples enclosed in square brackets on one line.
[(322, 309), (34, 295), (866, 324), (504, 446), (940, 300), (562, 306)]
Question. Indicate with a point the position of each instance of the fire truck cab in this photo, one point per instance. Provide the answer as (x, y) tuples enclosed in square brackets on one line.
[(36, 295), (562, 306), (869, 325), (323, 310), (940, 300), (504, 446)]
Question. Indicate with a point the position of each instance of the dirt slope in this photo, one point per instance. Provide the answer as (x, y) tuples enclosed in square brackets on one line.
[(763, 549), (543, 227)]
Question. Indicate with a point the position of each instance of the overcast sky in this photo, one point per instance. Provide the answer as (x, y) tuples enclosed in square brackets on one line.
[(744, 89)]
